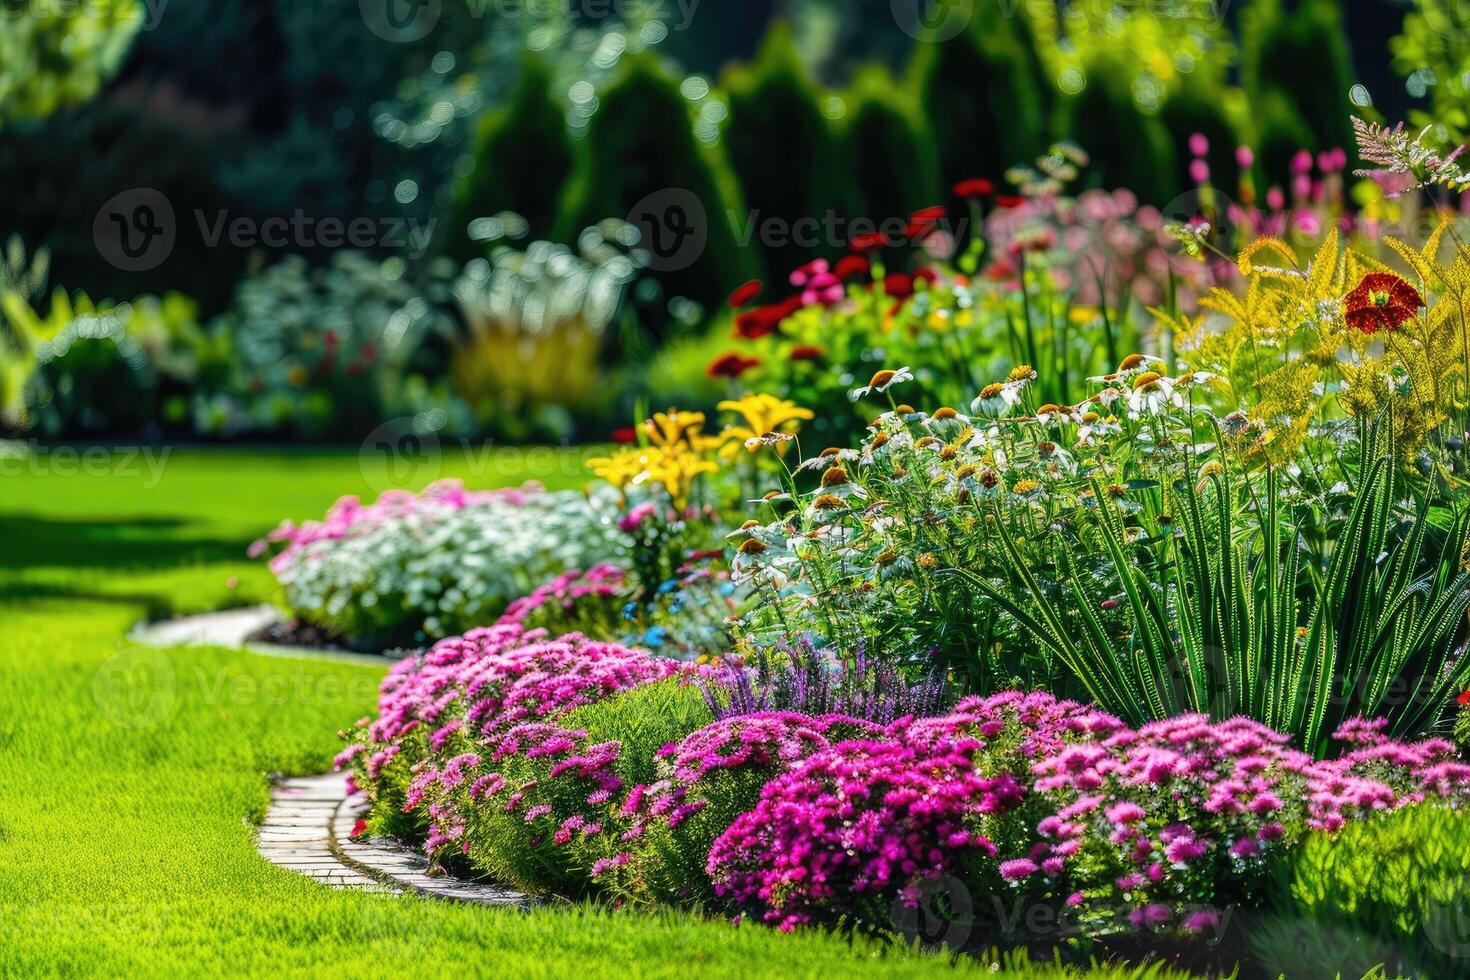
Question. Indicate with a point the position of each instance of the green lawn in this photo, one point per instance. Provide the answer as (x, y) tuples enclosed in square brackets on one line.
[(129, 779)]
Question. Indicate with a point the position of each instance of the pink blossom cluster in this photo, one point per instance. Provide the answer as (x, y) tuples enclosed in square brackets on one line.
[(860, 820), (768, 740), (1077, 239), (1102, 817), (560, 597), (496, 677), (349, 515), (453, 714)]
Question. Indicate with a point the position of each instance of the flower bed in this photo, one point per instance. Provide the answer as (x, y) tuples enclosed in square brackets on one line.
[(1116, 637), (410, 567), (486, 742)]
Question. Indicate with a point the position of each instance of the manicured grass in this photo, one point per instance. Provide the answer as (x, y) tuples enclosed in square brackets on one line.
[(129, 778)]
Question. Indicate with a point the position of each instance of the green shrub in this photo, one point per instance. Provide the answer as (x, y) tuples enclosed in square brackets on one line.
[(895, 170), (641, 143), (520, 160), (1129, 148), (640, 720), (1280, 133), (985, 105), (1303, 56), (1393, 890), (784, 153), (643, 720), (321, 351), (52, 56), (1197, 108)]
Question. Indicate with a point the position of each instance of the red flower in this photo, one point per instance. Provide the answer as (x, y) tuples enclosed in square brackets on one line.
[(731, 365), (927, 274), (1382, 301), (867, 241), (763, 320), (973, 188), (851, 267), (1463, 699), (625, 435), (359, 828), (1009, 201), (923, 222), (898, 284), (806, 353), (745, 293)]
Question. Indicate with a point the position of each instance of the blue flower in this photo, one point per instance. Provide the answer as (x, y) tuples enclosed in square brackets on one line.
[(630, 611), (655, 636)]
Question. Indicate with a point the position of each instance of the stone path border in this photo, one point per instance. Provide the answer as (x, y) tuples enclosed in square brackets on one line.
[(308, 829), (231, 628)]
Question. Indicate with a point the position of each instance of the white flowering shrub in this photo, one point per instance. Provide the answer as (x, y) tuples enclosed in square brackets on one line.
[(413, 568)]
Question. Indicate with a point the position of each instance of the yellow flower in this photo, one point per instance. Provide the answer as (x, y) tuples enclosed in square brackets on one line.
[(621, 468), (677, 469), (764, 415), (670, 428)]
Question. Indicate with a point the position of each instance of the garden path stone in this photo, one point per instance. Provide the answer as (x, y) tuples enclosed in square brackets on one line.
[(308, 830), (232, 628)]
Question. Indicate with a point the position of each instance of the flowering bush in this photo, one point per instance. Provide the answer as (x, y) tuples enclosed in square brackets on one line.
[(411, 567), (706, 780), (477, 695), (1164, 824), (575, 601), (331, 351)]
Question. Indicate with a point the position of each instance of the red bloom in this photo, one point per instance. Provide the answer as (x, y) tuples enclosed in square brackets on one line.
[(763, 320), (745, 293), (731, 365), (867, 241), (625, 435), (923, 222), (1382, 301), (851, 267), (899, 285), (1463, 699), (927, 274), (1009, 201), (973, 188), (359, 828), (806, 353)]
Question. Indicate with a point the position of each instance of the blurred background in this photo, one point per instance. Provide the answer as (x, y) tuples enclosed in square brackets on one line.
[(274, 220)]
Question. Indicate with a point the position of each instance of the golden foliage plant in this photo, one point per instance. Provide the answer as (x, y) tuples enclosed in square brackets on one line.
[(1293, 360)]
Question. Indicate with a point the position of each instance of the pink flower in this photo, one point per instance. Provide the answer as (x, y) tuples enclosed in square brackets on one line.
[(1018, 869)]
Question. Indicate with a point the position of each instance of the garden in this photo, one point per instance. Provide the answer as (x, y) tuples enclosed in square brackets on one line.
[(762, 489)]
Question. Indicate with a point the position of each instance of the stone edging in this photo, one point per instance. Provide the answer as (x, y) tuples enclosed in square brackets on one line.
[(232, 628), (308, 829)]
